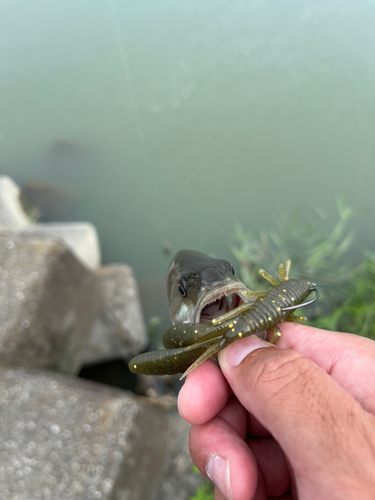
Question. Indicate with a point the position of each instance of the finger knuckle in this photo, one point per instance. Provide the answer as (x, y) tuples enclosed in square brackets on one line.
[(282, 371)]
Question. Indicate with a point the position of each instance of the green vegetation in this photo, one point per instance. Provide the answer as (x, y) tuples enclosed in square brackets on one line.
[(347, 292), (33, 213), (205, 490)]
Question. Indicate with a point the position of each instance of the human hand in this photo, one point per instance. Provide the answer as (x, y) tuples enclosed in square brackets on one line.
[(292, 421)]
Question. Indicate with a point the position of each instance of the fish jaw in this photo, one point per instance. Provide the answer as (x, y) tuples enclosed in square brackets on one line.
[(201, 288), (220, 300)]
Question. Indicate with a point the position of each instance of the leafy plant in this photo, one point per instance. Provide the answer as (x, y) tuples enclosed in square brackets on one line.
[(347, 292), (32, 213), (205, 490), (356, 314)]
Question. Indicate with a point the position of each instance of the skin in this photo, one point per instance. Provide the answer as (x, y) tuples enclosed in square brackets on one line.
[(292, 421)]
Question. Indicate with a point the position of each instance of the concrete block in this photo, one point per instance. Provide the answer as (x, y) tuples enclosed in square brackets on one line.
[(81, 237), (63, 438), (48, 303), (120, 330)]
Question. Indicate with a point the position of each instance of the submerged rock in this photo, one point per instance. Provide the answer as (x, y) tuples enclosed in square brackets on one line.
[(81, 237), (48, 303), (51, 203)]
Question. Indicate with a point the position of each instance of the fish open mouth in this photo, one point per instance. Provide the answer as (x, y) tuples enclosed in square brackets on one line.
[(219, 307), (219, 302)]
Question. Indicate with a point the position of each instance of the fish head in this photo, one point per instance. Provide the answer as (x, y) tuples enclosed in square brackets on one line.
[(201, 288)]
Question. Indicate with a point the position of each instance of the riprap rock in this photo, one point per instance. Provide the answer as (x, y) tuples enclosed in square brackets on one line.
[(48, 303), (119, 331)]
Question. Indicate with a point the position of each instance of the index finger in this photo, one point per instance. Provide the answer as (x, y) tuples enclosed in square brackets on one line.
[(204, 393), (348, 358)]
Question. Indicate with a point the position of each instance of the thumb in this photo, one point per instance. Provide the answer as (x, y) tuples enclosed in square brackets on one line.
[(315, 421)]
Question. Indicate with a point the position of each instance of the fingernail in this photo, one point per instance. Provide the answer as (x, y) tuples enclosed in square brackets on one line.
[(236, 352), (218, 471)]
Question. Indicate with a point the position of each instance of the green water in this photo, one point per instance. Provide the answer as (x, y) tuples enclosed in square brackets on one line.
[(182, 118)]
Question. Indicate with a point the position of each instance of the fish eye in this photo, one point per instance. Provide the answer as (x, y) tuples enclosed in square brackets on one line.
[(182, 290), (231, 268)]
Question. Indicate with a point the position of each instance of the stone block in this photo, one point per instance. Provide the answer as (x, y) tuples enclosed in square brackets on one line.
[(68, 439), (48, 303), (81, 237), (177, 480), (119, 332)]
